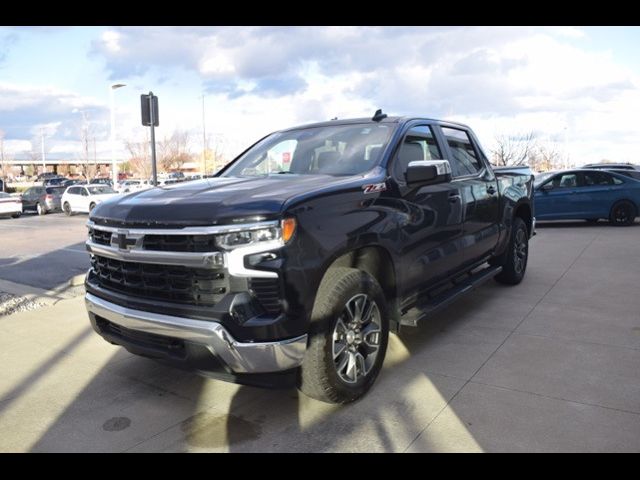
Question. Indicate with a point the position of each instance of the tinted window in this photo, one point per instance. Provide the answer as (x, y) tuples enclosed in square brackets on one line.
[(565, 180), (55, 190), (418, 144), (98, 190), (597, 178), (465, 160)]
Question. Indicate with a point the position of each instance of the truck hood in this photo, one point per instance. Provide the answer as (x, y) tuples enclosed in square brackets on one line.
[(216, 200)]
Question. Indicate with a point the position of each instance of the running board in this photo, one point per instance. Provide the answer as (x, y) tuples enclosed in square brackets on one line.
[(433, 304)]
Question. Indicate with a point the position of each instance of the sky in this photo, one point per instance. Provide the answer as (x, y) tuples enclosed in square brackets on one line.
[(576, 88)]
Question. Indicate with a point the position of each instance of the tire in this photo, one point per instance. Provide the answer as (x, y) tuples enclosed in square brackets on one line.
[(360, 355), (40, 209), (16, 215), (91, 207), (67, 209), (514, 260), (623, 213)]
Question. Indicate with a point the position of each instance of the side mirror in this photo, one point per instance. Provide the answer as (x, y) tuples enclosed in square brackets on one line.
[(546, 187), (428, 172)]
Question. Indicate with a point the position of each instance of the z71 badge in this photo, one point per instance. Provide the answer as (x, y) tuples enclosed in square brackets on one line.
[(374, 187)]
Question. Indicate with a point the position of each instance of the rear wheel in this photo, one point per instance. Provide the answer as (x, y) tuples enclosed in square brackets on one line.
[(623, 213), (514, 260), (40, 209), (347, 339), (16, 215), (67, 209)]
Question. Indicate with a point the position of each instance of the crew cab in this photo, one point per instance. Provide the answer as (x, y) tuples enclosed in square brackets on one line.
[(298, 258)]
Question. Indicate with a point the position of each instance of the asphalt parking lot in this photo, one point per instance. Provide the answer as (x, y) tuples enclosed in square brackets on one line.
[(43, 251), (549, 365)]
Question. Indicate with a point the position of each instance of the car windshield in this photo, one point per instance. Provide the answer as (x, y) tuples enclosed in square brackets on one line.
[(100, 190), (541, 178), (332, 150), (55, 190)]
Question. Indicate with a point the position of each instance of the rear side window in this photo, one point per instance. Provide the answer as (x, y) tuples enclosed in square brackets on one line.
[(465, 160), (418, 144)]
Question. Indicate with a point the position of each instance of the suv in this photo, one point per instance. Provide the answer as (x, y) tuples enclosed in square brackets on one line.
[(295, 270), (612, 166)]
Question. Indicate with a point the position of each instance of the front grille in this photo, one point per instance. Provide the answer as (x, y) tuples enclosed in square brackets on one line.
[(169, 345), (180, 243), (100, 236), (194, 286), (267, 290)]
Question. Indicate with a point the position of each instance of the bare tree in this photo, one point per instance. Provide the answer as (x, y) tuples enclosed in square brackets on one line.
[(545, 157), (513, 150), (174, 151)]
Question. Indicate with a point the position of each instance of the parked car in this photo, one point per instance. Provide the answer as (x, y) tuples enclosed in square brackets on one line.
[(42, 199), (133, 185), (10, 206), (46, 175), (68, 183), (587, 194), (635, 174), (55, 182), (84, 198), (612, 166), (296, 271), (101, 181)]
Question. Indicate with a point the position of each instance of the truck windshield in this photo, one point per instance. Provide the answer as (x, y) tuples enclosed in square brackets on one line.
[(333, 150)]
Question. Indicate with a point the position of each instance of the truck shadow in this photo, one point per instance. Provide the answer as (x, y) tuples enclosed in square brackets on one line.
[(579, 224)]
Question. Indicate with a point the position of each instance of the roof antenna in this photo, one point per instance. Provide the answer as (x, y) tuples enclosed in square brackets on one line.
[(378, 116)]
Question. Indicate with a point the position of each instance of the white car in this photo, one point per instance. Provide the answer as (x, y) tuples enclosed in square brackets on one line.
[(10, 205), (128, 186), (83, 198)]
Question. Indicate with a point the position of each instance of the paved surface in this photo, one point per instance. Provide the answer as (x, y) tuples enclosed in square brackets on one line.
[(43, 251), (550, 365)]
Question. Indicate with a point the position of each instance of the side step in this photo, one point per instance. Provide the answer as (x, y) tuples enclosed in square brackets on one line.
[(432, 304)]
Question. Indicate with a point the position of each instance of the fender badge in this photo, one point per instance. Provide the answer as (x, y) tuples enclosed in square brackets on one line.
[(374, 188)]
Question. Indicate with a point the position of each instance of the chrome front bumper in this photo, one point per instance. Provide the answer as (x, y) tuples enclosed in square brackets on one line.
[(240, 357)]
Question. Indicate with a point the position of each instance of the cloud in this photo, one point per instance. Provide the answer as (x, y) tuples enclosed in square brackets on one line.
[(6, 42)]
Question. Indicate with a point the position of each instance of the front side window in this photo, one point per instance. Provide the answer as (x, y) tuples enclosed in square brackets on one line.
[(465, 160), (565, 180), (98, 190), (331, 150), (418, 144)]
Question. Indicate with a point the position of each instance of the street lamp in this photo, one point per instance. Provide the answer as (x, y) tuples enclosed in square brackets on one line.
[(112, 140), (84, 139)]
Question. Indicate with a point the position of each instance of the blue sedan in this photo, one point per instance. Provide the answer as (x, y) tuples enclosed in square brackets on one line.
[(587, 194)]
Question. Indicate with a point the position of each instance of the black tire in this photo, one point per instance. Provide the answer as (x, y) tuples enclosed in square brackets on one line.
[(623, 213), (514, 259), (67, 209), (40, 209), (16, 215), (320, 376), (91, 207)]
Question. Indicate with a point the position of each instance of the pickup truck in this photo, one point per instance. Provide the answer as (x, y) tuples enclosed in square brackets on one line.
[(298, 258)]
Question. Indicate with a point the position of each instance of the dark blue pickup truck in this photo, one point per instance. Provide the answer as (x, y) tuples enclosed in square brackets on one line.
[(296, 261)]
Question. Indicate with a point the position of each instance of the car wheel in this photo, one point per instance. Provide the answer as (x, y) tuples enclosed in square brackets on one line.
[(623, 213), (40, 209), (514, 262), (92, 206), (67, 209), (347, 338), (16, 215)]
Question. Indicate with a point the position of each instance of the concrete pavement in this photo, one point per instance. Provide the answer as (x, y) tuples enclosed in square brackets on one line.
[(549, 365)]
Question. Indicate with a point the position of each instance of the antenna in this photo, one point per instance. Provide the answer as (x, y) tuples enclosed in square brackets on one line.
[(378, 116)]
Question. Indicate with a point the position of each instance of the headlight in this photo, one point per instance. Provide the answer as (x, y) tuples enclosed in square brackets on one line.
[(255, 236)]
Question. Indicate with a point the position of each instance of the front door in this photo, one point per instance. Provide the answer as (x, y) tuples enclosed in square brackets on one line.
[(558, 198), (429, 217)]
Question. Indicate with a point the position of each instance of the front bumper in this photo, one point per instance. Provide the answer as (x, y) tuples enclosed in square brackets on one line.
[(171, 337)]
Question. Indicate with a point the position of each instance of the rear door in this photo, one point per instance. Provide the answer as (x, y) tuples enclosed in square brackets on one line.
[(429, 217), (597, 193), (479, 189), (557, 198)]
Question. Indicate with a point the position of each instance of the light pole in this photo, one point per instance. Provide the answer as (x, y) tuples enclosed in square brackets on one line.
[(84, 139), (204, 139), (112, 138)]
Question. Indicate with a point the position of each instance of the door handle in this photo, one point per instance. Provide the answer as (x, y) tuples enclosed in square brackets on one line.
[(491, 190), (454, 197)]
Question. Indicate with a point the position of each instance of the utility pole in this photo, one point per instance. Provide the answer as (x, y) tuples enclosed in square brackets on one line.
[(204, 139), (44, 166)]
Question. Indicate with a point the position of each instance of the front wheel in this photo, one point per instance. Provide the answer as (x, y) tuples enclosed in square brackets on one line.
[(40, 209), (347, 339), (514, 260), (67, 209), (623, 213), (92, 206)]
